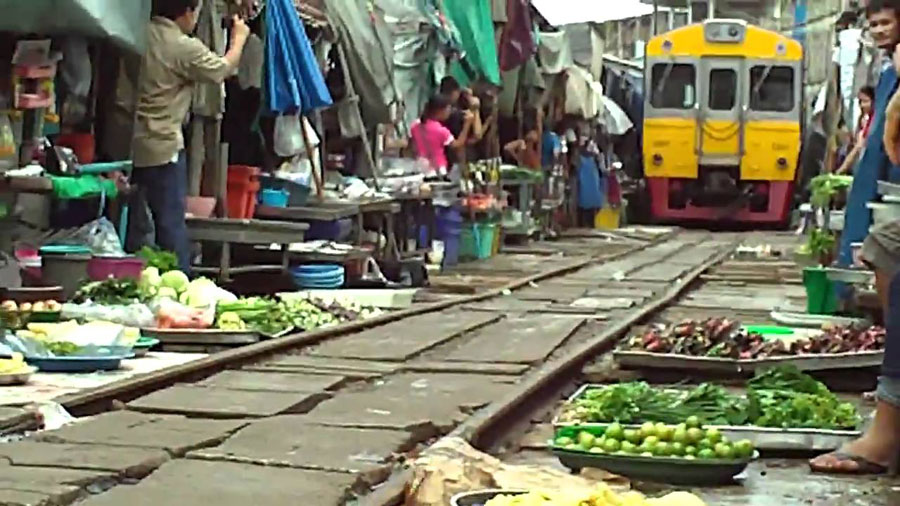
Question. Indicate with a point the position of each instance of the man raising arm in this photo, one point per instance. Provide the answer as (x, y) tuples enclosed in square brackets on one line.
[(172, 64)]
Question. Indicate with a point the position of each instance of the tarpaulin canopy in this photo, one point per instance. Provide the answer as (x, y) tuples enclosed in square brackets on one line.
[(293, 79), (367, 43), (420, 35), (124, 22), (568, 12), (475, 23)]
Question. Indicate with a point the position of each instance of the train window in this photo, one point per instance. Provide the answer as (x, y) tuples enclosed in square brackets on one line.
[(722, 89), (674, 86), (772, 88)]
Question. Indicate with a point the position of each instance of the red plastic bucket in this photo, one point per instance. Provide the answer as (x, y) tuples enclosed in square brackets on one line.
[(243, 186)]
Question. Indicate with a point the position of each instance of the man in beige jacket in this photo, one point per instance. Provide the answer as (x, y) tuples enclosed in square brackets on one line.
[(173, 63)]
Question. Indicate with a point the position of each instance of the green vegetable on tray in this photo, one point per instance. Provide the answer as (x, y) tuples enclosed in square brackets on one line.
[(272, 317), (781, 397), (61, 348), (687, 440), (110, 291), (163, 261)]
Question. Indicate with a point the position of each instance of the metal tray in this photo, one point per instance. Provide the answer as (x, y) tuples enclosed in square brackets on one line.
[(202, 336), (853, 276), (794, 319), (19, 378), (671, 470), (823, 362), (763, 438)]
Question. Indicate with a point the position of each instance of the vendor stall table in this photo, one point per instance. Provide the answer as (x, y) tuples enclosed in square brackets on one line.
[(383, 210), (228, 231), (525, 190), (418, 211)]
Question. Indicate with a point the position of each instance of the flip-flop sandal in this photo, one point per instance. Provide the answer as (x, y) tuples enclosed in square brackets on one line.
[(864, 466)]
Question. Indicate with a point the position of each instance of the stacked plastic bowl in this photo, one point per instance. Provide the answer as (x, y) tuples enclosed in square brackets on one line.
[(318, 276)]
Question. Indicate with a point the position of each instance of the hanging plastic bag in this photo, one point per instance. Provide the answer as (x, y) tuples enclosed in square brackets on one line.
[(7, 137), (100, 235), (288, 136)]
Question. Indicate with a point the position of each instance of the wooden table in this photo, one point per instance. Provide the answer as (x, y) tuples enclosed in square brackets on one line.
[(227, 231), (383, 210), (419, 210)]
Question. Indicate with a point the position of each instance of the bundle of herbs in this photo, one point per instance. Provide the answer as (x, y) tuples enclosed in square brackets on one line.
[(109, 292), (780, 397), (784, 397)]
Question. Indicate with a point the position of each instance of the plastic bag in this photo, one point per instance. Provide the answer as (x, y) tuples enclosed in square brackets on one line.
[(134, 315), (288, 136), (100, 235)]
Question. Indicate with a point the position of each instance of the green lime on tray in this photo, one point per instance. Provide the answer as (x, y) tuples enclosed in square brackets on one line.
[(686, 441)]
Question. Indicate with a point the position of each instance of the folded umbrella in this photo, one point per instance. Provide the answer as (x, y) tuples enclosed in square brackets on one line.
[(294, 81)]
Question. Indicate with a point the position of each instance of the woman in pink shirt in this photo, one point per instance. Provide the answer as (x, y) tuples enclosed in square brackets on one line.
[(431, 138)]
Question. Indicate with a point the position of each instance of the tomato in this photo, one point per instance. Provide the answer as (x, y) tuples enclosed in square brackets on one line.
[(743, 449), (714, 435), (694, 435), (612, 446), (706, 454), (586, 440), (632, 436), (724, 451), (692, 422), (615, 431)]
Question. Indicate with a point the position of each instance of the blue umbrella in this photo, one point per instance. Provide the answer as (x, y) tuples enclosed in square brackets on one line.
[(293, 79)]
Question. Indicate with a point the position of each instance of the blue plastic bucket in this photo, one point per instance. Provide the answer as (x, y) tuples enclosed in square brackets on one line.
[(274, 198)]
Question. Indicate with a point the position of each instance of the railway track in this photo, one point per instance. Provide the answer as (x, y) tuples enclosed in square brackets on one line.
[(477, 367)]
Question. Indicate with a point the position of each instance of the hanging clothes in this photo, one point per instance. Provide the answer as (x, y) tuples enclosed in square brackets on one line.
[(293, 79), (517, 42), (209, 98)]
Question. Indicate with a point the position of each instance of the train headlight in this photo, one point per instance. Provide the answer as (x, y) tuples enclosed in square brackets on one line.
[(657, 159), (782, 163)]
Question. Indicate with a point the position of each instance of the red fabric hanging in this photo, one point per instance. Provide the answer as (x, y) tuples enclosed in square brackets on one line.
[(516, 42)]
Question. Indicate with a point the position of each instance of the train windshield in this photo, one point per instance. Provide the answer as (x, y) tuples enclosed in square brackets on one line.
[(772, 88), (674, 86)]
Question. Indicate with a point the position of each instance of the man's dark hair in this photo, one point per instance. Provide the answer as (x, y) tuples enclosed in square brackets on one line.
[(876, 6), (449, 85), (173, 9)]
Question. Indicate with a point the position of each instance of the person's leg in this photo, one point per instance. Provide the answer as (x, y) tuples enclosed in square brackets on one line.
[(879, 447), (166, 195)]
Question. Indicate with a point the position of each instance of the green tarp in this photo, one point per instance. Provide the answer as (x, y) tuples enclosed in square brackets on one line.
[(475, 23), (122, 21)]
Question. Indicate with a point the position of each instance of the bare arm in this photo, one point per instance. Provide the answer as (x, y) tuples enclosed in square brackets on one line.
[(463, 138), (851, 159), (204, 66)]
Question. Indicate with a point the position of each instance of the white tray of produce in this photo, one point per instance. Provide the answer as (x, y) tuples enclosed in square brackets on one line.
[(763, 438), (810, 362)]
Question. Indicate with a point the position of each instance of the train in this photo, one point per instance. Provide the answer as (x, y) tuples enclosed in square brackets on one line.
[(722, 128)]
